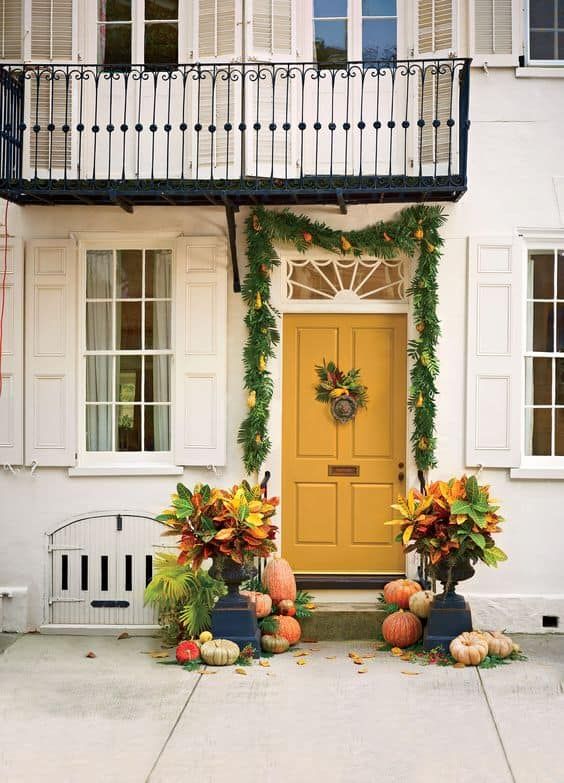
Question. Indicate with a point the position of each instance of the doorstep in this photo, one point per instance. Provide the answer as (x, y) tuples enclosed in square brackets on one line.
[(343, 621)]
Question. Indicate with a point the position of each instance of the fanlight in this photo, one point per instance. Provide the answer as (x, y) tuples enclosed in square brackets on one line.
[(346, 280)]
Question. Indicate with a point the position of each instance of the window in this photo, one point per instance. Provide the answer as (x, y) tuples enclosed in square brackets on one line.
[(546, 30), (379, 29), (544, 358), (151, 23), (128, 350), (330, 30)]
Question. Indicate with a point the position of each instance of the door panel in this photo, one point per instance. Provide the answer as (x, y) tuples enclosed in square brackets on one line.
[(335, 523)]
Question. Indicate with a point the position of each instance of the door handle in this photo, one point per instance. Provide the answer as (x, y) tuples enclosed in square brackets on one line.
[(401, 476)]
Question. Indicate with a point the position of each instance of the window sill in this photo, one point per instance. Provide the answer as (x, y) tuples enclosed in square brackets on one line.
[(540, 72), (127, 470), (556, 474)]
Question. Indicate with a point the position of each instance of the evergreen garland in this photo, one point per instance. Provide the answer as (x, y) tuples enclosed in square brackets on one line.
[(414, 232)]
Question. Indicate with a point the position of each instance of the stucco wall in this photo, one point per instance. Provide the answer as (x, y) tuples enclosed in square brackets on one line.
[(515, 151)]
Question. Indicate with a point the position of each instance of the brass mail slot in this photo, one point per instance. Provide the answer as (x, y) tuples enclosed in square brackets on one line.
[(343, 470)]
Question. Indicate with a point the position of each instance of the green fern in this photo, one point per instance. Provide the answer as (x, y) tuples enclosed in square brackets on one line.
[(170, 584)]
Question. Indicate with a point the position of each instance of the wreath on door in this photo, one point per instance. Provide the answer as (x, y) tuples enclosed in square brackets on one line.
[(344, 392)]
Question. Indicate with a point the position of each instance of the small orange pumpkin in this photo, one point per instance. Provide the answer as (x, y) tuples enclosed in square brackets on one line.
[(287, 607), (402, 629), (262, 602), (400, 591), (289, 628), (279, 580), (499, 644), (469, 648)]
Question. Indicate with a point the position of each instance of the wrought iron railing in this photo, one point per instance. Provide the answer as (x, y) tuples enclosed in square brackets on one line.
[(245, 132)]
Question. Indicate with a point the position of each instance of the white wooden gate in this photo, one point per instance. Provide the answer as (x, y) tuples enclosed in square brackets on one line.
[(99, 568)]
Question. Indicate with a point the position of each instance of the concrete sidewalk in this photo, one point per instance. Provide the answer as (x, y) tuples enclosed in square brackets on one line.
[(121, 717)]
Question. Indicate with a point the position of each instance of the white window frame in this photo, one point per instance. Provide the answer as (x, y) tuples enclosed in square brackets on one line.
[(547, 242), (106, 460), (527, 41)]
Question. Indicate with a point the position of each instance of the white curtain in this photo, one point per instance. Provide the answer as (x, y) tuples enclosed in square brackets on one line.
[(98, 337), (161, 339)]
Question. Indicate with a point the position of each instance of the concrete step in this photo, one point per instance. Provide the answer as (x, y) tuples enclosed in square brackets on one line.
[(341, 621)]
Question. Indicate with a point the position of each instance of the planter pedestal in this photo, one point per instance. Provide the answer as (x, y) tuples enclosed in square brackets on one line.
[(233, 616), (450, 613)]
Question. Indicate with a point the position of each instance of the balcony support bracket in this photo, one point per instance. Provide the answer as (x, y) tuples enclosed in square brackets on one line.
[(126, 205), (341, 201), (230, 210)]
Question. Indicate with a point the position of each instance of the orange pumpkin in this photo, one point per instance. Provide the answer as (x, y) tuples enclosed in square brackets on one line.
[(402, 629), (287, 607), (262, 602), (279, 580), (400, 591), (289, 628)]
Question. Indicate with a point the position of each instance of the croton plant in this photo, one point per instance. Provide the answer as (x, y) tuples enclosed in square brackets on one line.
[(212, 523), (450, 522)]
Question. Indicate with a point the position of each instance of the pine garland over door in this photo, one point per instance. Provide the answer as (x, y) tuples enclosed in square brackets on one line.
[(415, 232)]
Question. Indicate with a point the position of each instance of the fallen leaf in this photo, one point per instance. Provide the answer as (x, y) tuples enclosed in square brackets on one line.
[(396, 651), (207, 671), (301, 653), (315, 649), (266, 664), (363, 670), (379, 645), (301, 662), (405, 657), (90, 654), (311, 606), (358, 661), (241, 671), (310, 641), (412, 674), (353, 654), (157, 654), (124, 635), (330, 657), (459, 665), (368, 655)]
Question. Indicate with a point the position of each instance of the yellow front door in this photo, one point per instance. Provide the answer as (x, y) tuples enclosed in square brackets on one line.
[(338, 480)]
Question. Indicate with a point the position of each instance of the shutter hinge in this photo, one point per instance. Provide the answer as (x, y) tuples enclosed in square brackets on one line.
[(66, 601), (53, 548), (119, 523)]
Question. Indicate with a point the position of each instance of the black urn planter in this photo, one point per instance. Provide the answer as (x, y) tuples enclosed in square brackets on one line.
[(450, 613), (233, 616)]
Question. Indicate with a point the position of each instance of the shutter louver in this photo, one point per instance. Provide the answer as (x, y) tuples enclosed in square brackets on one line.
[(51, 30), (51, 149), (435, 26), (494, 361), (50, 352), (11, 28), (11, 399), (216, 36), (493, 34), (272, 26), (201, 351), (436, 105)]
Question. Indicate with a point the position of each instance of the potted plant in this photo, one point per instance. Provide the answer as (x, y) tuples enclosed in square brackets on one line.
[(452, 524)]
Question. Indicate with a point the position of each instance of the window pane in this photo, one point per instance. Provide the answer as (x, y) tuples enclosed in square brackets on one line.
[(129, 274), (157, 325), (560, 13), (560, 328), (128, 427), (560, 381), (128, 325), (542, 336), (379, 39), (99, 274), (161, 43), (330, 7), (560, 292), (559, 445), (98, 326), (158, 265), (157, 428), (128, 378), (541, 276), (330, 41), (98, 428), (541, 13), (99, 378), (378, 7), (157, 378), (114, 44), (161, 9), (114, 10), (538, 431), (560, 55), (538, 381), (542, 45)]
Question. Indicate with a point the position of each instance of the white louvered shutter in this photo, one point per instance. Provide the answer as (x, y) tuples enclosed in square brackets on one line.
[(50, 399), (436, 38), (201, 352), (11, 398), (494, 359), (217, 97), (11, 30), (493, 33), (51, 98)]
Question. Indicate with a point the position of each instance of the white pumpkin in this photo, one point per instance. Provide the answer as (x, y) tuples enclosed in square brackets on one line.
[(420, 603)]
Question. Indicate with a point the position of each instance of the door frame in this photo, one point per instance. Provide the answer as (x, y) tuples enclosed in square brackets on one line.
[(285, 306)]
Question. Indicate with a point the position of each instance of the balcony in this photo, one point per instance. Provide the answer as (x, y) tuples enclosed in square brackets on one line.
[(232, 134)]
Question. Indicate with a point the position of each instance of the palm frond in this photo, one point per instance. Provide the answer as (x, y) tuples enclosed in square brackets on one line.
[(171, 583)]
